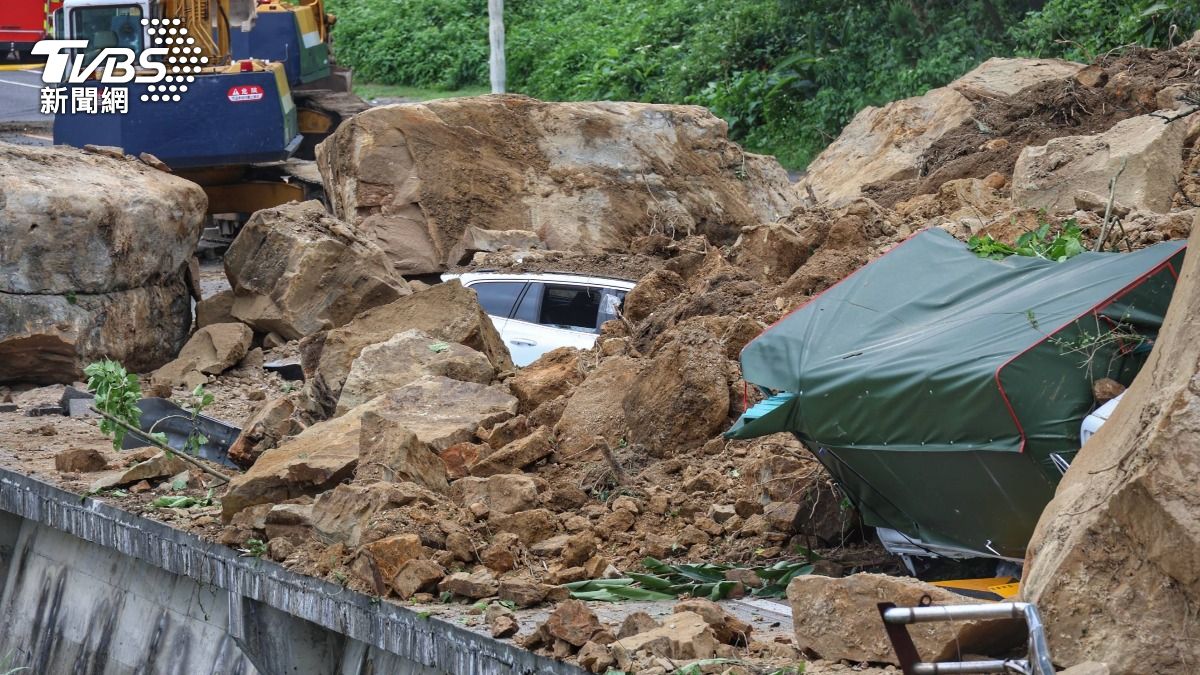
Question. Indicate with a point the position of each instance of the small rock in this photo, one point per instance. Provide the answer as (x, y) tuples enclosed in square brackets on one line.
[(594, 657), (626, 503), (1106, 389), (459, 545), (415, 576), (280, 549), (692, 535), (578, 549), (566, 575), (638, 622), (140, 486), (573, 622), (745, 508), (721, 512), (503, 625), (522, 592), (80, 460), (685, 635), (501, 555), (727, 628), (480, 584)]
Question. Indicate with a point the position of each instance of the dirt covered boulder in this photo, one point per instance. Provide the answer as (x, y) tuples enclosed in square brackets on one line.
[(93, 251), (446, 311), (891, 143), (581, 176), (406, 357), (1146, 151), (391, 437), (296, 270), (1126, 518)]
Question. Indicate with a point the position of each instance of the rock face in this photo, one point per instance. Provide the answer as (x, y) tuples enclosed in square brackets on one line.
[(884, 144), (887, 144), (1049, 176), (838, 619), (582, 176), (92, 256), (406, 357), (999, 77), (296, 270), (446, 311), (1126, 516)]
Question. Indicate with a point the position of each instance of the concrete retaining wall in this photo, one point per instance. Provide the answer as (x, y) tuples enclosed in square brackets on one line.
[(88, 588)]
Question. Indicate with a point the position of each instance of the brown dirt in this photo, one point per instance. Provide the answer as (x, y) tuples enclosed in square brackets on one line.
[(1040, 113)]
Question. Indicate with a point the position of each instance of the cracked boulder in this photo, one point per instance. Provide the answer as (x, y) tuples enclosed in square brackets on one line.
[(93, 253), (583, 176), (296, 270)]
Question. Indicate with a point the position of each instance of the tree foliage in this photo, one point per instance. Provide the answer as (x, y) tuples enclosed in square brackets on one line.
[(786, 74)]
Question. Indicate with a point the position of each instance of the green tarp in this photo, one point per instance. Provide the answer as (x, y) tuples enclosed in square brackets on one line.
[(935, 386)]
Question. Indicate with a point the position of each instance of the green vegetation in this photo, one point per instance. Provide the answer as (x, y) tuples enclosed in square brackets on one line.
[(116, 393), (1066, 243), (371, 91), (786, 74), (705, 580)]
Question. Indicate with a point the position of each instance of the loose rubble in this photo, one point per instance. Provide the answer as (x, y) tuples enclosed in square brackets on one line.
[(417, 464)]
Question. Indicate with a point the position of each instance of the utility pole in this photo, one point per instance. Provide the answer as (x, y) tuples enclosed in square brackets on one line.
[(496, 38)]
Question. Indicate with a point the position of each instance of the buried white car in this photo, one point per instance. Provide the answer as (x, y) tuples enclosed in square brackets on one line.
[(535, 313)]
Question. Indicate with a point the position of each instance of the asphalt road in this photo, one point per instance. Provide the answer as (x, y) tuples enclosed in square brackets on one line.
[(20, 86)]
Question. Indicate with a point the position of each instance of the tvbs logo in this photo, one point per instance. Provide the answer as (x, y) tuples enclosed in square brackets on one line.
[(167, 68)]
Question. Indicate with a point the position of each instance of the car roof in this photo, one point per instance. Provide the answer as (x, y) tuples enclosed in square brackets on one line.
[(555, 277)]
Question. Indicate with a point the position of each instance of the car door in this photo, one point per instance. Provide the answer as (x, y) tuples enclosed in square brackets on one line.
[(552, 315), (498, 298)]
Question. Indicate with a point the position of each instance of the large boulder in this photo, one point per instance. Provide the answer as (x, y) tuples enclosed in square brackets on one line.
[(595, 407), (82, 223), (1126, 518), (838, 619), (93, 251), (1050, 176), (443, 412), (582, 176), (438, 411), (1000, 77), (406, 357), (448, 311), (296, 270), (884, 144), (889, 143), (51, 338), (680, 400)]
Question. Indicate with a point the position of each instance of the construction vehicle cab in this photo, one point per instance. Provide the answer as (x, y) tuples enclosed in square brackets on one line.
[(208, 110)]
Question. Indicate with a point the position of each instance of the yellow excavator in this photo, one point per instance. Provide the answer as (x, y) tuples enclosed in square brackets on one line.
[(226, 117)]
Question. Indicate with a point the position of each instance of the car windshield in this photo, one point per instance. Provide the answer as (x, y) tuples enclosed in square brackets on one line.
[(105, 27)]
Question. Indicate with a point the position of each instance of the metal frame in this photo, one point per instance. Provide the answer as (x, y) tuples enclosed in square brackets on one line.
[(896, 618)]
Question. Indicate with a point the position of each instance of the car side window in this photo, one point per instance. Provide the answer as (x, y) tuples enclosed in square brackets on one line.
[(498, 297), (570, 307), (530, 308)]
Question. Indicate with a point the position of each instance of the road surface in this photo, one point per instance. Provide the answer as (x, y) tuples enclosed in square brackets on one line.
[(21, 121)]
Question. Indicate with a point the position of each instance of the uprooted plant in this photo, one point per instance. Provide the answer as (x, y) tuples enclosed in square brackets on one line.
[(116, 395), (1066, 243), (705, 580)]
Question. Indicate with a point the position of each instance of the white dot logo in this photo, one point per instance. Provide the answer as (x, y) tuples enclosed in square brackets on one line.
[(183, 56)]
